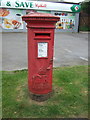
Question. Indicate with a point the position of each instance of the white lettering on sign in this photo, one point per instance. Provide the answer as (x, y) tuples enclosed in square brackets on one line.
[(42, 49)]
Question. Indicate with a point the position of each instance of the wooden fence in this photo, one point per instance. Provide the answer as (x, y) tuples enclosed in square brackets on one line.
[(84, 20)]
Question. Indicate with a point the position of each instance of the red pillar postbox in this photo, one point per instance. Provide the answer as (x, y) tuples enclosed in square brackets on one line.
[(40, 51)]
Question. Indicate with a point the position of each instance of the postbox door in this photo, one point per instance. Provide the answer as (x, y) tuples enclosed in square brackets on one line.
[(42, 62)]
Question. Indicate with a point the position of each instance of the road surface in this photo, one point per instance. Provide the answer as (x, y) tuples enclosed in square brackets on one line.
[(70, 49)]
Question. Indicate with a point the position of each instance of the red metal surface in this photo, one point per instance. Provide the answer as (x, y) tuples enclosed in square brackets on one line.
[(40, 30)]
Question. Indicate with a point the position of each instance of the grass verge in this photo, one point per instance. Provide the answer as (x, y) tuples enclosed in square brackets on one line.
[(70, 98), (84, 28)]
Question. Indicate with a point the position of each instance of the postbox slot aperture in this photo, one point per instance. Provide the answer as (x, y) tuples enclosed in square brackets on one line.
[(43, 35)]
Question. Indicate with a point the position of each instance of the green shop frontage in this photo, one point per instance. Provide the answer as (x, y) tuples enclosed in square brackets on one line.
[(11, 12)]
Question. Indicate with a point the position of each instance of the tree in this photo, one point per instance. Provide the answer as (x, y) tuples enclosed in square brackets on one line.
[(85, 7)]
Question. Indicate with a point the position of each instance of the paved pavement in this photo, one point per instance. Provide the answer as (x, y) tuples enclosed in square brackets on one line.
[(70, 49)]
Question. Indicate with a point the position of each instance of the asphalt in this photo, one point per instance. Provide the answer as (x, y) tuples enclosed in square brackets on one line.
[(70, 49)]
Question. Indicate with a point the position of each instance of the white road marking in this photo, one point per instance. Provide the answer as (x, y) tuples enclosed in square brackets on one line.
[(84, 58), (54, 58), (68, 50)]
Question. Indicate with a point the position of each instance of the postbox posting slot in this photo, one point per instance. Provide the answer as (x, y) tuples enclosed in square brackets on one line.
[(42, 49), (42, 35)]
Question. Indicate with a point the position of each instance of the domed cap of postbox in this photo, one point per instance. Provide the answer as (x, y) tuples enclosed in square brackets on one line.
[(40, 17)]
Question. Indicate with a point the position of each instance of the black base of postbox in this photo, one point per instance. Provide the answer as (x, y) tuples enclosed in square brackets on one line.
[(40, 98)]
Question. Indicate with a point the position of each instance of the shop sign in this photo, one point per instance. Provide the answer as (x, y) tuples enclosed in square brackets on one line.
[(39, 5), (11, 19), (67, 20)]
